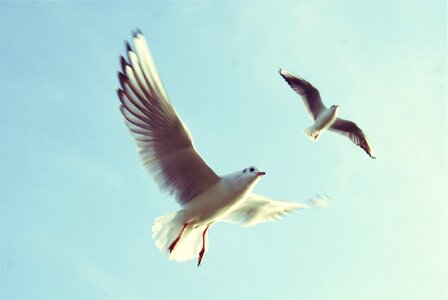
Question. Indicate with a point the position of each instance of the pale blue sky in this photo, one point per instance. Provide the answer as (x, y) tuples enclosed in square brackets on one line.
[(77, 208)]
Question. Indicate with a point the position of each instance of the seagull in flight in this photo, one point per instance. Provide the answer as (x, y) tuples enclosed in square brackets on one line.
[(325, 118), (167, 152)]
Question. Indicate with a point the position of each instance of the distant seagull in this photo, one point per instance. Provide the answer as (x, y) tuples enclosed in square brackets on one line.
[(166, 149), (325, 118)]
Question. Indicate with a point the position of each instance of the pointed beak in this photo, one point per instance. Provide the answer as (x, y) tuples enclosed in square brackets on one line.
[(261, 173)]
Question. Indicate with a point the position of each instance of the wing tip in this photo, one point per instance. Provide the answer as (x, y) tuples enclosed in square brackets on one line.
[(122, 78), (366, 147), (136, 32), (285, 73), (128, 46), (281, 72), (288, 76), (120, 94), (123, 63)]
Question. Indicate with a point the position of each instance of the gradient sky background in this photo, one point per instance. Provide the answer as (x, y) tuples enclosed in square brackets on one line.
[(77, 208)]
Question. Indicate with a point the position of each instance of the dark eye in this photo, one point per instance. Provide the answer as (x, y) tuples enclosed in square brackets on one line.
[(244, 171), (252, 169)]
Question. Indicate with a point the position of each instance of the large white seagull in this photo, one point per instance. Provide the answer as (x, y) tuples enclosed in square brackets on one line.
[(166, 150)]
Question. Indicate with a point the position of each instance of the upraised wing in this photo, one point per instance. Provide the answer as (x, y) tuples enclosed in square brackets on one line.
[(310, 95), (258, 209), (163, 141), (354, 133)]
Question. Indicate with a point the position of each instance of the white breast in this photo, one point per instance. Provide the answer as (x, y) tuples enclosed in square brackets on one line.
[(216, 201), (326, 118)]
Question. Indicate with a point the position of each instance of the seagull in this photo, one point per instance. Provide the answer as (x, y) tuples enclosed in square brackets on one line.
[(325, 118), (167, 152)]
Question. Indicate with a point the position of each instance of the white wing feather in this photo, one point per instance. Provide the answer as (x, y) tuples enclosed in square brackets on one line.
[(258, 209), (163, 141)]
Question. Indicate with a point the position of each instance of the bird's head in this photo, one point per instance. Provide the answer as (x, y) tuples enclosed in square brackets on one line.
[(244, 180), (335, 107), (252, 173)]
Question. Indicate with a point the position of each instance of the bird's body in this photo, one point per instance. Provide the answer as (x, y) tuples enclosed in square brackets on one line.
[(215, 202), (166, 149), (325, 118), (322, 123), (199, 214)]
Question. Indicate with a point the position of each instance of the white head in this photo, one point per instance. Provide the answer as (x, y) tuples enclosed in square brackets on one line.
[(244, 180), (335, 107), (252, 173)]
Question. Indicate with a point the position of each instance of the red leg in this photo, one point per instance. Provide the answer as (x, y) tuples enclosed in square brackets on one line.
[(201, 254), (174, 243)]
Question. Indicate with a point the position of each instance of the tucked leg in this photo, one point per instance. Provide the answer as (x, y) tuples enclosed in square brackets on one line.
[(174, 243), (201, 254)]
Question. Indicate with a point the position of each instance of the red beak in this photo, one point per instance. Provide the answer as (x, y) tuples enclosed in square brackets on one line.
[(261, 173)]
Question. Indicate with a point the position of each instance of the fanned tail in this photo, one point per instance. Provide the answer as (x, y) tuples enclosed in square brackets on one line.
[(312, 133), (166, 230)]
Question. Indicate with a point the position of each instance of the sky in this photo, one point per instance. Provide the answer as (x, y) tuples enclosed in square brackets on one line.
[(76, 206)]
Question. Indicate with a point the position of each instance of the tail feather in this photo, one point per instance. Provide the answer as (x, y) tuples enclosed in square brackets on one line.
[(161, 230), (168, 227), (312, 133)]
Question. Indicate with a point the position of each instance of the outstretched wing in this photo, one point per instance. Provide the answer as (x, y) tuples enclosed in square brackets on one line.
[(258, 209), (354, 133), (310, 95), (163, 141)]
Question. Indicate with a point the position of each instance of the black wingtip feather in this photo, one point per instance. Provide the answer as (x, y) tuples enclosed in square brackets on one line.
[(136, 32), (123, 63), (128, 47), (121, 96), (284, 76), (120, 92), (122, 79)]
